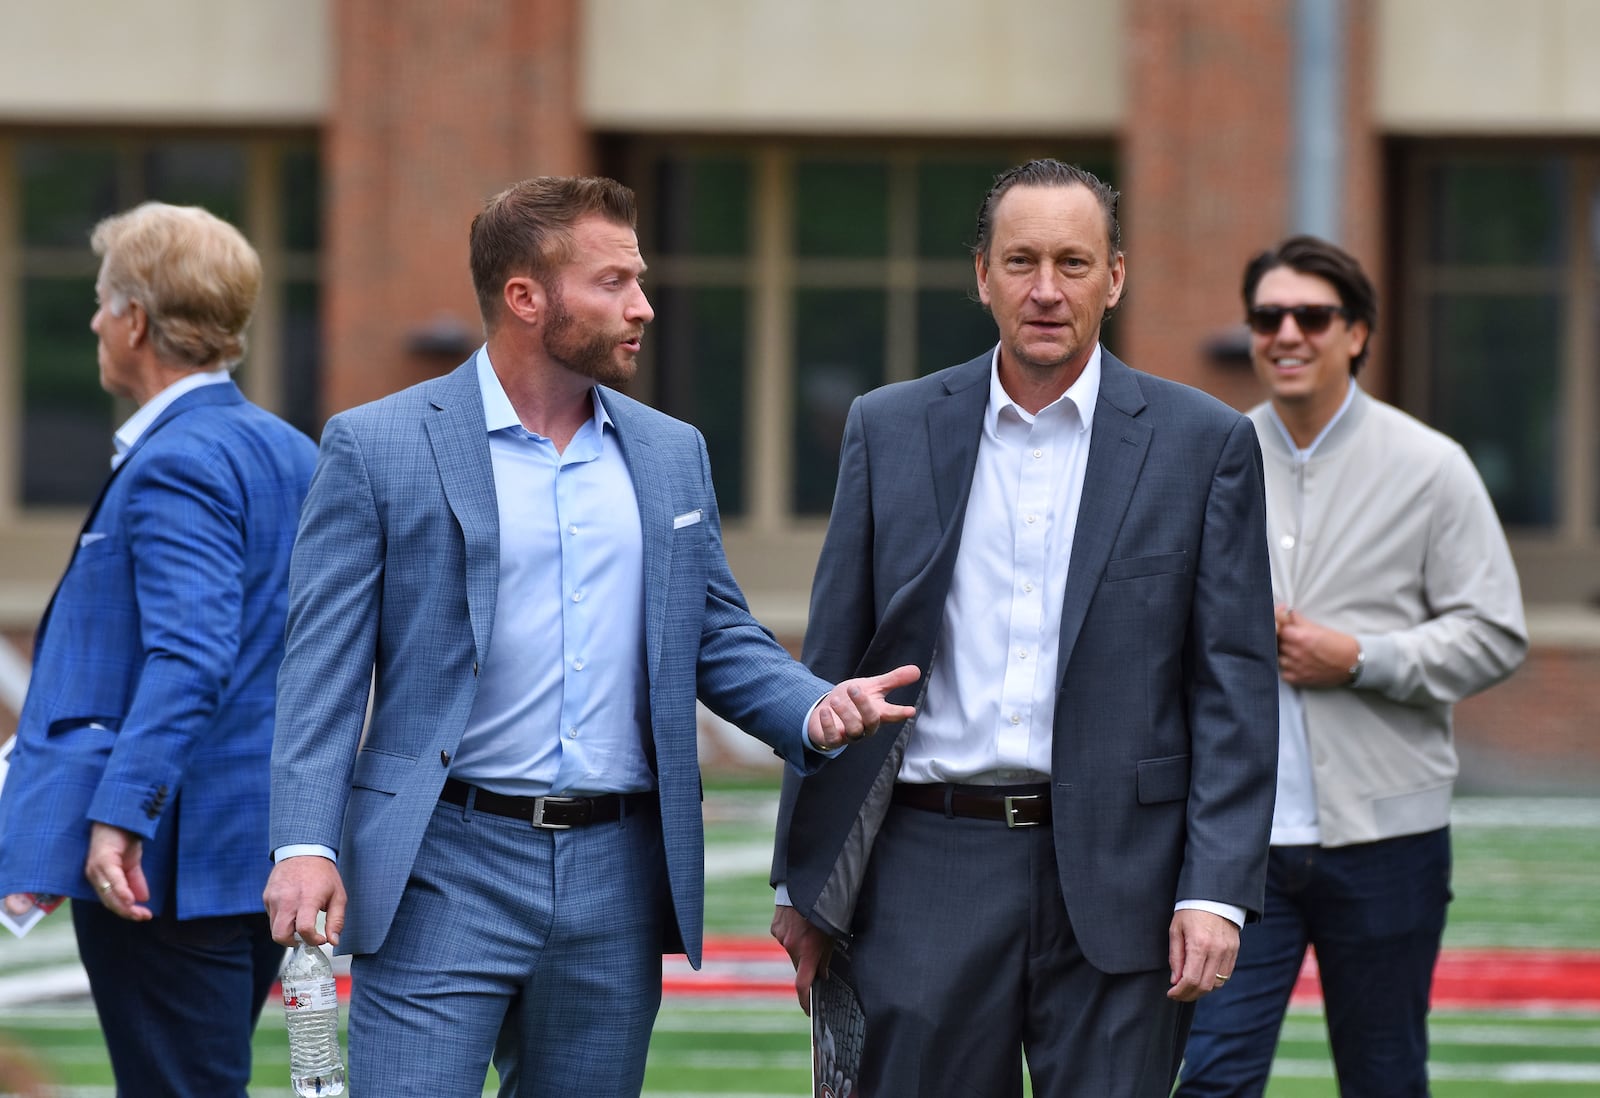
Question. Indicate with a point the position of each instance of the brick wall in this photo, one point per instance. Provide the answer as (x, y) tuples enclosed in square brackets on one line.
[(437, 105), (1207, 170), (1538, 731)]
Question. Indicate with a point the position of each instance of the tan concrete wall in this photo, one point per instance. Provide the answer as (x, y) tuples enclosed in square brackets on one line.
[(1487, 66), (843, 66), (176, 61)]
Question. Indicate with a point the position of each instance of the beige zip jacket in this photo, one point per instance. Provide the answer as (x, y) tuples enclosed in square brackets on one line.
[(1388, 533)]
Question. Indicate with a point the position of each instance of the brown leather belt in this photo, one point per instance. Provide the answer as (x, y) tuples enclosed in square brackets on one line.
[(1012, 805), (550, 813)]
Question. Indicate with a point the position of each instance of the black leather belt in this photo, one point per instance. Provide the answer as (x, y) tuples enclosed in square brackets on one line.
[(551, 813), (1012, 805)]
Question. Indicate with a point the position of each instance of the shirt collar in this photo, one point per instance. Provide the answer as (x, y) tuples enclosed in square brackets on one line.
[(142, 420), (1083, 394), (498, 414), (1305, 455)]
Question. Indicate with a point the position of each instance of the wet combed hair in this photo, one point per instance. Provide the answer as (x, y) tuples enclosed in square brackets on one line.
[(526, 229), (195, 276), (1046, 173), (1311, 255)]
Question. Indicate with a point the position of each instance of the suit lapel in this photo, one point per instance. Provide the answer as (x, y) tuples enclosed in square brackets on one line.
[(459, 436), (653, 491), (1118, 444), (954, 428)]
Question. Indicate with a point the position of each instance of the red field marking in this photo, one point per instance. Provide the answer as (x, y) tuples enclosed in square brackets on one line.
[(1465, 978), (1478, 978), (1471, 979)]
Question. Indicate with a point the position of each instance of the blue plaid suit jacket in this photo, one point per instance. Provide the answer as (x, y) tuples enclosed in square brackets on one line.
[(151, 701), (394, 585)]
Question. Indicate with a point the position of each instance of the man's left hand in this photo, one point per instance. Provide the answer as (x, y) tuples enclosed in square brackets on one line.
[(114, 868), (1201, 950), (1312, 655), (853, 710)]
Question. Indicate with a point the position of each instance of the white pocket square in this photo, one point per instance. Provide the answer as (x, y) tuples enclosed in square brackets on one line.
[(89, 539), (688, 519)]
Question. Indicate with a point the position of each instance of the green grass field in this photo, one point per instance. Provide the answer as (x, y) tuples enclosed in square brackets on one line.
[(1527, 875)]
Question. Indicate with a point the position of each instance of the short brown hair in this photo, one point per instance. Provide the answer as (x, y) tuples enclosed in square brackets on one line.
[(526, 229), (1311, 255), (195, 276)]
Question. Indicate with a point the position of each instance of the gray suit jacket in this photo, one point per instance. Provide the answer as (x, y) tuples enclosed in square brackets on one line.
[(1165, 747), (394, 583)]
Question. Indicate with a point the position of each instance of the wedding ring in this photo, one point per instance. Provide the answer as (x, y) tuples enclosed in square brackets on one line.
[(1221, 979)]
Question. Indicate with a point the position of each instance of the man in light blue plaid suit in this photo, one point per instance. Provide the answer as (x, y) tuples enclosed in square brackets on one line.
[(527, 569), (138, 784)]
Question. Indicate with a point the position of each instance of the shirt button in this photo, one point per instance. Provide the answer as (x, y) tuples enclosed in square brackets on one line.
[(577, 665), (1028, 587), (1030, 519), (572, 733), (1016, 718), (572, 529), (577, 596), (1287, 541), (1038, 453), (1022, 653)]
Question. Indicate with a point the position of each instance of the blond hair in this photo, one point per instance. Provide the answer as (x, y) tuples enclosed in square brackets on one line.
[(195, 276)]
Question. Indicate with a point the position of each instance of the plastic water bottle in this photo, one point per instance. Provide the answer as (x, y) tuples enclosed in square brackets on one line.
[(311, 1012)]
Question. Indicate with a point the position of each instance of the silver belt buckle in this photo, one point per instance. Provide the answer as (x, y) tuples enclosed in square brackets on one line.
[(1011, 810), (538, 813)]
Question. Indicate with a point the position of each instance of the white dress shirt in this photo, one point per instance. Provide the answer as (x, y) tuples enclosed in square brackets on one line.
[(1002, 617)]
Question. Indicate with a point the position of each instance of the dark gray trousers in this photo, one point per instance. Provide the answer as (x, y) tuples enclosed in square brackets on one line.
[(965, 962)]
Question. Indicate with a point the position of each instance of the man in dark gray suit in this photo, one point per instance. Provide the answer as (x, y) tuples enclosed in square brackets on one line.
[(1055, 857)]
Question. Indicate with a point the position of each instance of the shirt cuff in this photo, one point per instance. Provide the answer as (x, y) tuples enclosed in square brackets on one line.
[(805, 736), (1234, 915), (302, 850), (1377, 666), (780, 895)]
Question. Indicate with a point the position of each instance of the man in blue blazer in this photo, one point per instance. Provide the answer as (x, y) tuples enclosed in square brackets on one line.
[(526, 568), (1054, 859), (139, 780)]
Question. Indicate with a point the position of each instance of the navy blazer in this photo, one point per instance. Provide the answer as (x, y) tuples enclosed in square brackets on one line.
[(1166, 730), (151, 701)]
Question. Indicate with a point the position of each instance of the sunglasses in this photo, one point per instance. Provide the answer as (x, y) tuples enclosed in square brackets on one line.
[(1310, 319)]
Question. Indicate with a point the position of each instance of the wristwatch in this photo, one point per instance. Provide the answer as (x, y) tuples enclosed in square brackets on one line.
[(1359, 666)]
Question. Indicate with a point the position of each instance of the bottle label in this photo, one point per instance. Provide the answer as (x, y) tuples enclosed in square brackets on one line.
[(313, 994)]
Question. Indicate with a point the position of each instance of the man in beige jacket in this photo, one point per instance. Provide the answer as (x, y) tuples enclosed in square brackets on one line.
[(1395, 597)]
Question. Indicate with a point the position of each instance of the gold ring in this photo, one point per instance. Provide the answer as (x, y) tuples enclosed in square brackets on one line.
[(1221, 979), (105, 886)]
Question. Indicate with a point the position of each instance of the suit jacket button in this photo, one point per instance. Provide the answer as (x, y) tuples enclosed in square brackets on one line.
[(444, 758)]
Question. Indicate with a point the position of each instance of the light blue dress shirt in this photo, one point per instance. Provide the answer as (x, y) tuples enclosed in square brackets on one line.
[(562, 703)]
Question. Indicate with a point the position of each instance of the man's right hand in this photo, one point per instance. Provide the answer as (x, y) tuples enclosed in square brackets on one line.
[(809, 948), (297, 891)]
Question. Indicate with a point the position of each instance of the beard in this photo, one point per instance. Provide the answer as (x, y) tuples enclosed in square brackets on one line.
[(594, 355)]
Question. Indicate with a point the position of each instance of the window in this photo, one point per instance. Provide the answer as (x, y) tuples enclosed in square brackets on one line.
[(63, 186), (788, 278), (1500, 286), (1499, 337)]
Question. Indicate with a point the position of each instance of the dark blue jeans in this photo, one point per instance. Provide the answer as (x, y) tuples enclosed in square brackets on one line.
[(1375, 914)]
